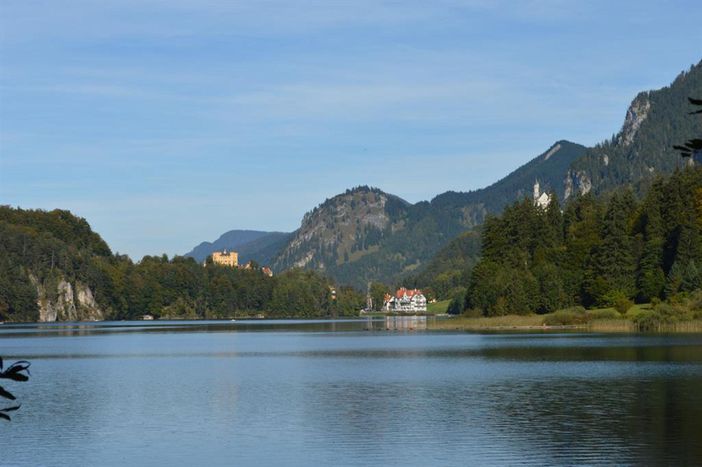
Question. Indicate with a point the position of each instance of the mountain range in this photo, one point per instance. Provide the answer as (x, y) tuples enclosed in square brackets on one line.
[(250, 244), (366, 235)]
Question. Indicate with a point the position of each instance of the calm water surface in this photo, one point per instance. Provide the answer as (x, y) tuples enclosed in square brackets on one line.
[(330, 393)]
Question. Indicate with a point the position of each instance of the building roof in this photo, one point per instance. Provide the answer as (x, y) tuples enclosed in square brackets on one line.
[(407, 292)]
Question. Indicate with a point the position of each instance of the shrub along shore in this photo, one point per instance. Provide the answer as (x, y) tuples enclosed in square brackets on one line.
[(683, 315)]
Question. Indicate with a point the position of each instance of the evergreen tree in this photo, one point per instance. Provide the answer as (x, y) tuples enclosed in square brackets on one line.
[(650, 276), (614, 263)]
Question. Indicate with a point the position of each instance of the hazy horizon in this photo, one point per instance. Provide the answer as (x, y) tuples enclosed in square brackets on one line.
[(166, 124)]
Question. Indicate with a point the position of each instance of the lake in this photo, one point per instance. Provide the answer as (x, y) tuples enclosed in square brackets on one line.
[(330, 393)]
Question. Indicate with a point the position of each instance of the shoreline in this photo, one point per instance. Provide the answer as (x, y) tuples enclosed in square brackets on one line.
[(525, 323), (508, 323)]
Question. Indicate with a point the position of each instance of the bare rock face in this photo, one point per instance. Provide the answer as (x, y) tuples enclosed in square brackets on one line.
[(65, 306), (87, 308), (64, 302), (577, 182), (635, 116), (552, 151)]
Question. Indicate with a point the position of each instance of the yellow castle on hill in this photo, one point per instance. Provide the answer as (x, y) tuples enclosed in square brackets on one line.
[(225, 258)]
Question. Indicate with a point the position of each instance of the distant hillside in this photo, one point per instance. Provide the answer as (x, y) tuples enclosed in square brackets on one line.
[(549, 169), (643, 148), (447, 273), (264, 249), (368, 235), (403, 243), (53, 267), (343, 231), (250, 244), (641, 151), (49, 267)]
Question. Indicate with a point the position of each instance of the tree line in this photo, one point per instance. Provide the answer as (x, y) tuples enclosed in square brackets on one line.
[(594, 252), (42, 248)]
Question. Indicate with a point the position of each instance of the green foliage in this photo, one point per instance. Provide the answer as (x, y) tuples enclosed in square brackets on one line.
[(457, 303), (604, 313), (342, 243), (40, 249), (662, 314), (635, 158), (567, 317), (602, 252), (622, 303), (450, 269), (648, 320), (377, 293), (695, 301)]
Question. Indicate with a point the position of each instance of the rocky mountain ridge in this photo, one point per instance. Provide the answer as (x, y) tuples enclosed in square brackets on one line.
[(342, 229), (367, 235), (643, 148)]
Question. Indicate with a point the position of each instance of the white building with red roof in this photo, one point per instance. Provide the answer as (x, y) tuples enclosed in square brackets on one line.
[(405, 301)]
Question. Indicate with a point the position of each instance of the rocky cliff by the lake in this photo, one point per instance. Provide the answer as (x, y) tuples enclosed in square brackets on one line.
[(65, 301)]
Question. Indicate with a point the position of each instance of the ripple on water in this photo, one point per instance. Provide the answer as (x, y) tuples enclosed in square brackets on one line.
[(345, 397)]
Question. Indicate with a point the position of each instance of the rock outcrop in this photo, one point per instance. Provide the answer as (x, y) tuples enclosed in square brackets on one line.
[(635, 116), (348, 225), (64, 301), (577, 182)]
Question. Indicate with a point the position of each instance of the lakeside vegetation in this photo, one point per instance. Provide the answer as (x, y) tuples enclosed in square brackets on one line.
[(596, 253), (438, 308), (683, 315), (545, 264), (41, 250)]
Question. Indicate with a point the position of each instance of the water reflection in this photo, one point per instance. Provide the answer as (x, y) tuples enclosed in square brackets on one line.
[(333, 394), (111, 327), (629, 420)]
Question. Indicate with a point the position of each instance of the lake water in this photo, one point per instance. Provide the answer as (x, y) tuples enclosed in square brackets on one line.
[(330, 393)]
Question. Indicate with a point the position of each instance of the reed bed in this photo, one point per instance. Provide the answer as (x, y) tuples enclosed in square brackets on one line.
[(496, 322), (694, 326), (534, 322), (612, 325)]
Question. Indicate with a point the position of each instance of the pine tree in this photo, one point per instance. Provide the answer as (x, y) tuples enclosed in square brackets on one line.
[(614, 262), (691, 277), (582, 226), (650, 276)]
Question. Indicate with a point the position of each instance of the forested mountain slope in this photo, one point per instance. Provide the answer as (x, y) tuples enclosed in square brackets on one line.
[(367, 235), (549, 169), (53, 267), (596, 252), (642, 151), (643, 148), (48, 266), (255, 245)]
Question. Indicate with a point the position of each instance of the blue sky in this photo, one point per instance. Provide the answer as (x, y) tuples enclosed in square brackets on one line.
[(166, 123)]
